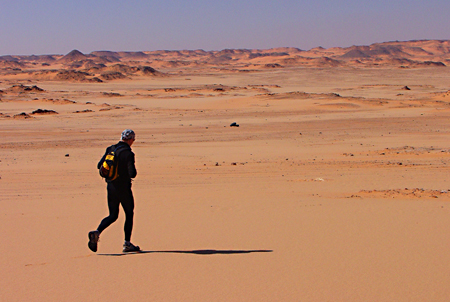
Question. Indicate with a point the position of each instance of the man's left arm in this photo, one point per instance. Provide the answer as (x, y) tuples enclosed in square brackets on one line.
[(131, 166)]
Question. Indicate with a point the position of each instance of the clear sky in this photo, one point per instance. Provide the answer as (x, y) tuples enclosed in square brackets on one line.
[(59, 26)]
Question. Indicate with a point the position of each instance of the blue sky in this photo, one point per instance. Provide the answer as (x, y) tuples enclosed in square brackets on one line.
[(57, 27)]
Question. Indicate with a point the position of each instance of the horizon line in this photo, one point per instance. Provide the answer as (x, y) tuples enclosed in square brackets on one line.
[(216, 50)]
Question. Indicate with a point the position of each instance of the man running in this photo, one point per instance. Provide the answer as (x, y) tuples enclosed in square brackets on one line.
[(119, 192)]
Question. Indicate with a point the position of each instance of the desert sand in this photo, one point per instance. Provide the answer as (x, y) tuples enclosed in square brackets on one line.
[(334, 187)]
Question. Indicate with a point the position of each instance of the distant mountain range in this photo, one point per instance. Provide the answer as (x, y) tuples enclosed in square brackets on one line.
[(113, 65)]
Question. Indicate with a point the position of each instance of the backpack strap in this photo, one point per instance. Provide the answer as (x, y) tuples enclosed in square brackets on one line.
[(119, 148)]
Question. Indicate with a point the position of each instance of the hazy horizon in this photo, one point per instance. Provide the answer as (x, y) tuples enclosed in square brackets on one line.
[(58, 27)]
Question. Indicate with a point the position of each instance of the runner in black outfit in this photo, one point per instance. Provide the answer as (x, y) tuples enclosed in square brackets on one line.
[(119, 192)]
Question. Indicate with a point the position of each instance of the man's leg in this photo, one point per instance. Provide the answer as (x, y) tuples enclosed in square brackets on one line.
[(113, 206), (127, 201), (128, 207)]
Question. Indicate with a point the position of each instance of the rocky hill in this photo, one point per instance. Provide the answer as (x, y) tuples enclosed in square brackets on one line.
[(110, 65)]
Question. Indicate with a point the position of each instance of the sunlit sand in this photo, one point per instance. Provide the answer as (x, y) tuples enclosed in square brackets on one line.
[(334, 187)]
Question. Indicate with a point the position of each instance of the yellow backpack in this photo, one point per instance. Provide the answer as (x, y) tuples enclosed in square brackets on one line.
[(109, 167)]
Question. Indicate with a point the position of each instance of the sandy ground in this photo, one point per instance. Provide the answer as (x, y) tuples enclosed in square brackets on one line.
[(334, 188)]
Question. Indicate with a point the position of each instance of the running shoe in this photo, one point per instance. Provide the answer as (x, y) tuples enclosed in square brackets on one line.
[(129, 247), (93, 239)]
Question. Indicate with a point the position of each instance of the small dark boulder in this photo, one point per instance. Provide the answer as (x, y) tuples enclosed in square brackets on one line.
[(234, 124), (274, 65), (22, 115), (44, 111), (84, 111)]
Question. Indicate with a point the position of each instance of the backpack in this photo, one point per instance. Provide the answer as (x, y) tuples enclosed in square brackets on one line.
[(109, 167)]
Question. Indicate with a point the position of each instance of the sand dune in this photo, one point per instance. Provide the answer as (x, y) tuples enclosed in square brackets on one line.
[(334, 187)]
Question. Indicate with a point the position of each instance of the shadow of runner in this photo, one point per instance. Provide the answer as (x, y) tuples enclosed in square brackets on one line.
[(196, 252)]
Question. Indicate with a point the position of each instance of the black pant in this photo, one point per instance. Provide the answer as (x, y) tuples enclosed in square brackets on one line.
[(119, 194)]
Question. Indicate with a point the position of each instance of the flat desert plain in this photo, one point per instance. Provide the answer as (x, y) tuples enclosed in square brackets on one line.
[(334, 187)]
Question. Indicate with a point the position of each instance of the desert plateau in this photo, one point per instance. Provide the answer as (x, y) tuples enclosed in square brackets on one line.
[(263, 174)]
